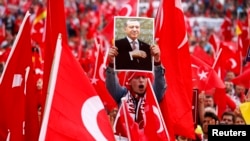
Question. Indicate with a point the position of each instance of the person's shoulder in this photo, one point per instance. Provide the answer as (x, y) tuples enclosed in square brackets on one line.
[(143, 43), (121, 40)]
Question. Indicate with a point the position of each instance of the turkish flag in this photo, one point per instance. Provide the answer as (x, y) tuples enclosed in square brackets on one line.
[(128, 8), (155, 128), (55, 24), (124, 125), (214, 41), (204, 76), (18, 102), (98, 80), (174, 46), (226, 29), (74, 110), (230, 58), (38, 26)]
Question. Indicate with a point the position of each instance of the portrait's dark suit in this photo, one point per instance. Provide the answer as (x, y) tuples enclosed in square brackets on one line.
[(123, 61)]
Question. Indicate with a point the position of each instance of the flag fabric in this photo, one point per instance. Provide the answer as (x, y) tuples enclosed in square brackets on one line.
[(223, 101), (226, 29), (230, 58), (214, 42), (243, 79), (174, 46), (128, 8), (158, 21), (55, 24), (155, 127), (18, 105), (98, 80), (38, 26), (125, 127), (200, 53), (245, 109), (247, 56), (150, 10), (204, 76), (73, 109), (238, 28)]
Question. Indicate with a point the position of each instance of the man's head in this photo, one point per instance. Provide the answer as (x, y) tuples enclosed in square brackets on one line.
[(229, 86), (228, 118), (209, 101), (132, 28), (137, 82), (210, 118)]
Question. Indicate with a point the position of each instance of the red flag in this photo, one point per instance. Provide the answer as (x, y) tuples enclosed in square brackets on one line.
[(55, 24), (98, 80), (243, 79), (155, 128), (200, 53), (37, 32), (125, 126), (174, 46), (150, 11), (214, 41), (129, 8), (230, 59), (74, 111), (226, 29), (17, 90), (204, 76), (222, 100)]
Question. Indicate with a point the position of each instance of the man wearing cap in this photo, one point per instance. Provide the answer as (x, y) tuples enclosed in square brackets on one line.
[(136, 84)]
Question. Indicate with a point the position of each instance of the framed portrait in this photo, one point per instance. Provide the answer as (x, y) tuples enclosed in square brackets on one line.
[(133, 38)]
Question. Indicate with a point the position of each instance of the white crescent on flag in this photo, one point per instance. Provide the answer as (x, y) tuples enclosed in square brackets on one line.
[(156, 112), (91, 123), (128, 8), (233, 62)]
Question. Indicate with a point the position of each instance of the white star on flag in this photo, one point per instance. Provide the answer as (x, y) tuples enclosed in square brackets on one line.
[(94, 81), (203, 75)]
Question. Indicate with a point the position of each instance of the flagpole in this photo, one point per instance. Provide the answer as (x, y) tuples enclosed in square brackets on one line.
[(217, 58), (126, 118), (51, 87), (214, 64), (137, 11), (98, 52)]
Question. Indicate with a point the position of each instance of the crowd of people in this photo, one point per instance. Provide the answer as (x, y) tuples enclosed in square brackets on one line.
[(85, 20)]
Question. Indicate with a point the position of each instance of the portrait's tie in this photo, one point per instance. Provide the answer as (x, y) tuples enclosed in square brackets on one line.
[(133, 45)]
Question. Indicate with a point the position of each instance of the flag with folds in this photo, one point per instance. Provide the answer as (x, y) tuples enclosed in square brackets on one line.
[(204, 76), (245, 109), (38, 25), (73, 111), (98, 79), (155, 128), (127, 8), (226, 29), (18, 102), (200, 53), (173, 43), (125, 127), (55, 24), (230, 58), (243, 78), (214, 42)]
